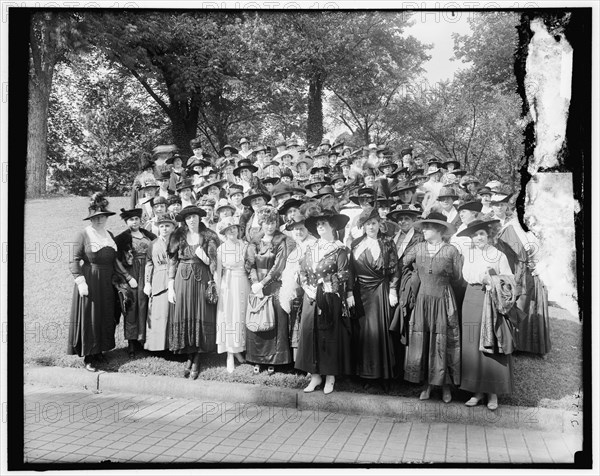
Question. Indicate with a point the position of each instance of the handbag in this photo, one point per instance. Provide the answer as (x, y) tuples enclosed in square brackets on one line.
[(211, 296), (260, 314)]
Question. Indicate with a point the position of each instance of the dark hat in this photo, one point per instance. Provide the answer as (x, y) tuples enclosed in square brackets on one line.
[(290, 225), (216, 183), (315, 181), (337, 220), (325, 142), (337, 145), (298, 191), (404, 210), (171, 159), (165, 218), (369, 171), (314, 170), (434, 161), (244, 164), (189, 210), (484, 191), (286, 172), (344, 163), (281, 189), (186, 183), (243, 140), (149, 183), (290, 203), (387, 163), (254, 193), (406, 151), (158, 200), (173, 199), (223, 203), (147, 164), (259, 148), (196, 143), (206, 201), (326, 190), (333, 152), (448, 162), (193, 161), (133, 212), (459, 172), (473, 205), (477, 225), (438, 219), (384, 201), (273, 180), (401, 170), (306, 160), (235, 188), (98, 206), (364, 192), (367, 215), (336, 177), (468, 179), (447, 192), (164, 175), (227, 146)]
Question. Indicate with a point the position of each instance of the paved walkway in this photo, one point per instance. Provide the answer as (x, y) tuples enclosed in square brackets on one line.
[(67, 425)]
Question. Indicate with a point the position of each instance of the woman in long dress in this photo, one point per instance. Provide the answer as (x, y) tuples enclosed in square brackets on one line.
[(374, 264), (133, 246), (160, 310), (233, 289), (481, 372), (93, 315), (324, 344), (264, 262), (433, 352), (192, 262)]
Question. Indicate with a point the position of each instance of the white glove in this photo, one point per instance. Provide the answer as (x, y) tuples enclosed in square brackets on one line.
[(202, 255), (393, 299), (133, 283), (171, 292), (311, 292), (257, 288), (148, 289), (82, 286), (350, 301)]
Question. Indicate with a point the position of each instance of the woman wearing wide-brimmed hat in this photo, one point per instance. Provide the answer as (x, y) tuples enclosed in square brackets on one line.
[(160, 309), (233, 288), (446, 199), (254, 200), (146, 173), (324, 345), (482, 372), (244, 171), (93, 311), (133, 246), (433, 352), (265, 260), (374, 265), (192, 263)]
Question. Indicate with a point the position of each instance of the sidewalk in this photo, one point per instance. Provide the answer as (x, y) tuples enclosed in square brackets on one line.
[(68, 425)]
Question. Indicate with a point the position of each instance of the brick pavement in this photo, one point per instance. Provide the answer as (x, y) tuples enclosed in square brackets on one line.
[(78, 426)]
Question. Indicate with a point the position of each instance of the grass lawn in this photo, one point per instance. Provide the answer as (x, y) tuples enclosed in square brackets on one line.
[(50, 226)]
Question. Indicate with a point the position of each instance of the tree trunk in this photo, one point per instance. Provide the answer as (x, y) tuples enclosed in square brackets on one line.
[(183, 126), (314, 126)]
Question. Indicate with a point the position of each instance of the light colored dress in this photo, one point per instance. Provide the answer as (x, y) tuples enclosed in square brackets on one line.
[(233, 297)]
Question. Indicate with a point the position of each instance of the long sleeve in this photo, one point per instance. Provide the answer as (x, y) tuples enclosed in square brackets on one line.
[(457, 263), (274, 273), (410, 256), (149, 264), (78, 255), (344, 271), (250, 263), (393, 266)]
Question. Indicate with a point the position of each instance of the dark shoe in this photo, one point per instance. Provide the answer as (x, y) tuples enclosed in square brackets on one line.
[(101, 358), (131, 349)]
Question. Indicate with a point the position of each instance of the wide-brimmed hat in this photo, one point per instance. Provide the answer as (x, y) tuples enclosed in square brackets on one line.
[(399, 170), (196, 143), (468, 179), (473, 205), (222, 204), (149, 183), (254, 193), (387, 163), (501, 198), (216, 183), (243, 140), (148, 164), (336, 177), (477, 225), (403, 187), (315, 181), (185, 183), (484, 191), (298, 191), (98, 206), (189, 210), (235, 188), (337, 220), (325, 142), (279, 157), (305, 160), (244, 164), (447, 192), (405, 209), (325, 190), (193, 161), (166, 218), (226, 223), (438, 219), (432, 169), (448, 162), (227, 146), (459, 172), (494, 185), (259, 148), (292, 142), (132, 212), (164, 175), (364, 192), (367, 215), (171, 159), (281, 189), (290, 203), (158, 201), (272, 179), (314, 170), (406, 151)]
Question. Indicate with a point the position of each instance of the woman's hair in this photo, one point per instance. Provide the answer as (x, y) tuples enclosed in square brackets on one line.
[(267, 214)]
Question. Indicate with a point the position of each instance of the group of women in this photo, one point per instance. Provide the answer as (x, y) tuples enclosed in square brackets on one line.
[(426, 282)]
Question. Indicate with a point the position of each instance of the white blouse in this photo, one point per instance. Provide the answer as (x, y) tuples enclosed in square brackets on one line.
[(477, 261), (98, 241)]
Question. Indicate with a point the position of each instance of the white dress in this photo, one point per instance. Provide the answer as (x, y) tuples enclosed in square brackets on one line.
[(233, 298)]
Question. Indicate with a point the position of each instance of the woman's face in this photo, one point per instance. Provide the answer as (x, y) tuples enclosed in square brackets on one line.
[(472, 188), (269, 227), (160, 208), (499, 209), (316, 187), (225, 212), (165, 229), (447, 203), (299, 233), (480, 238), (214, 191), (365, 201), (209, 212), (369, 180), (467, 216), (324, 228), (269, 186), (406, 196), (164, 184), (236, 199), (99, 221), (174, 208), (134, 223), (177, 163), (186, 193), (383, 211), (372, 228), (431, 232), (286, 179), (257, 202), (192, 222), (293, 213), (328, 201), (232, 232), (227, 153), (245, 174), (405, 223), (388, 170), (485, 198)]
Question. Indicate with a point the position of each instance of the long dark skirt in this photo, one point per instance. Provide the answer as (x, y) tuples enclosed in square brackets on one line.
[(271, 347), (134, 326), (534, 328), (324, 345), (481, 372), (92, 323), (194, 324)]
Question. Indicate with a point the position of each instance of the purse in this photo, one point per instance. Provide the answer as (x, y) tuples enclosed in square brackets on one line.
[(260, 314), (211, 296)]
